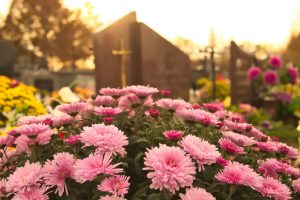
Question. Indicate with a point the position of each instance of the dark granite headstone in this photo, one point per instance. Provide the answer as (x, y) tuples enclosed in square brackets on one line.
[(240, 62), (153, 60), (7, 58)]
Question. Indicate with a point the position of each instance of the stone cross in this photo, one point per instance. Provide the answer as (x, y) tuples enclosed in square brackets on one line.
[(153, 60), (123, 54)]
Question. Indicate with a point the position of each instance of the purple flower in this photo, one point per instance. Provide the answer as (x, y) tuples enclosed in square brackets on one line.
[(285, 98), (270, 77), (253, 73), (275, 62)]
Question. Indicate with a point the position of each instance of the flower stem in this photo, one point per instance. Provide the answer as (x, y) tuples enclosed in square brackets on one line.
[(232, 189)]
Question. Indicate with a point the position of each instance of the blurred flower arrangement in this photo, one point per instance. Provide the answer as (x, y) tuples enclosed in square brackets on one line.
[(204, 89), (276, 81), (17, 100), (134, 143)]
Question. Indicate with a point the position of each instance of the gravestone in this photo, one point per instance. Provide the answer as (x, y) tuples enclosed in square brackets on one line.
[(7, 58), (153, 59), (241, 89)]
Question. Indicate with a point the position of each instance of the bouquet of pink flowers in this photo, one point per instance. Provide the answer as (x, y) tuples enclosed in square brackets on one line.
[(265, 78), (136, 143)]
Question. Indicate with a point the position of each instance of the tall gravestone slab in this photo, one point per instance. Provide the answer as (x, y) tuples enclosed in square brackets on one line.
[(241, 89), (7, 58), (108, 71), (153, 60)]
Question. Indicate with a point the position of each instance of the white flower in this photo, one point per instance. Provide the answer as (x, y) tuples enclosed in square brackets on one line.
[(67, 95)]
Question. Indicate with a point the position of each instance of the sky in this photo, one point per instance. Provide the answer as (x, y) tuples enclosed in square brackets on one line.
[(257, 21)]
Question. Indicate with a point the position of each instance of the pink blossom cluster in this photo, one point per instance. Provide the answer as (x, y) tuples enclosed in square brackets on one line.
[(278, 147), (32, 134), (34, 181), (197, 115), (272, 167), (170, 143), (172, 104)]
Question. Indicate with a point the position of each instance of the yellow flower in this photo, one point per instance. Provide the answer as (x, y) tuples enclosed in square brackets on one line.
[(227, 102), (6, 109), (19, 99)]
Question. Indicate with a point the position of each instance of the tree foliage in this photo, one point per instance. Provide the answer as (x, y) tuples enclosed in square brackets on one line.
[(48, 29), (292, 51)]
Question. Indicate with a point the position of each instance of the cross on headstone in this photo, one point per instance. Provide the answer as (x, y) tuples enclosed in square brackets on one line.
[(123, 54), (153, 60)]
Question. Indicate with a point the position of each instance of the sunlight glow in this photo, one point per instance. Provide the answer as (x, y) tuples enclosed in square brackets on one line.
[(257, 21)]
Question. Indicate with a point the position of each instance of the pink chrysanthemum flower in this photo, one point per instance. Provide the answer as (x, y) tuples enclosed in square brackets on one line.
[(236, 117), (257, 134), (293, 73), (203, 117), (116, 185), (32, 134), (196, 106), (239, 139), (270, 77), (196, 194), (289, 152), (148, 101), (2, 188), (239, 174), (72, 108), (165, 93), (61, 120), (221, 161), (272, 188), (73, 139), (271, 167), (127, 101), (33, 119), (32, 129), (253, 73), (268, 146), (24, 178), (213, 107), (35, 193), (107, 111), (108, 120), (107, 139), (22, 143), (275, 62), (170, 168), (230, 147), (296, 185), (6, 141), (55, 172), (221, 114), (153, 112), (173, 135), (115, 92), (141, 91), (172, 104), (102, 101), (237, 127), (111, 198), (200, 150), (88, 168)]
